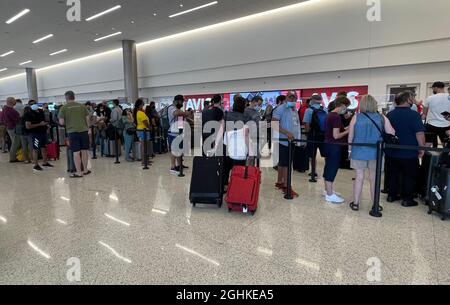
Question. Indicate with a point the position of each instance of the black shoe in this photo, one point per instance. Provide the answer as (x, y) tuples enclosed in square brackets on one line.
[(185, 167), (47, 165), (38, 168), (392, 199), (384, 191), (411, 203), (14, 161)]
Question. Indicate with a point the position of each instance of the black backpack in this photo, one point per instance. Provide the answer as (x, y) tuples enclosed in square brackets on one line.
[(318, 120)]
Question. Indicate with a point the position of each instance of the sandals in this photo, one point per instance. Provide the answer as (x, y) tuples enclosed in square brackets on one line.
[(279, 185), (294, 194), (87, 173), (354, 207), (75, 176)]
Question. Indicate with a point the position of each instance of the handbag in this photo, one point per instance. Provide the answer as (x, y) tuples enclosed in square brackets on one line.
[(387, 137), (131, 131)]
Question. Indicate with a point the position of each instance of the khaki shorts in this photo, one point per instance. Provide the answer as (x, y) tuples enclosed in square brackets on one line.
[(361, 165)]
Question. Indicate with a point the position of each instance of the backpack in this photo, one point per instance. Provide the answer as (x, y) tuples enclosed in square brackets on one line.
[(165, 122), (318, 121)]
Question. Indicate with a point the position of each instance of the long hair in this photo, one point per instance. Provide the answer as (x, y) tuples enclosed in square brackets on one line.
[(139, 103)]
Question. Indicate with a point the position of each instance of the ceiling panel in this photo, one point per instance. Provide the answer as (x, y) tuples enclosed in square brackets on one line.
[(135, 20)]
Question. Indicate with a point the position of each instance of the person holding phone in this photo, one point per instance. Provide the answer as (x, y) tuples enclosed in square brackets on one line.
[(37, 126)]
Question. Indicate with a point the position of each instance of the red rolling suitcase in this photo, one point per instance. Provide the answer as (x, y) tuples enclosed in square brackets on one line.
[(53, 151), (243, 189)]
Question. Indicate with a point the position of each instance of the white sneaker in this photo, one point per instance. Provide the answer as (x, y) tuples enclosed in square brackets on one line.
[(325, 194), (334, 199)]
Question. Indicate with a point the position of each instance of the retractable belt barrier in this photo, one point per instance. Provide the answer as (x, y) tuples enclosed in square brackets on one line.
[(145, 156), (94, 145), (380, 147)]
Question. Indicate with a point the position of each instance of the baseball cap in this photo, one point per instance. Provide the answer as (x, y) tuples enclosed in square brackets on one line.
[(439, 85), (316, 97)]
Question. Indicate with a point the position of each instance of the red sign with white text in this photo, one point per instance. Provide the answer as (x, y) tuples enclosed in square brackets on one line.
[(354, 93)]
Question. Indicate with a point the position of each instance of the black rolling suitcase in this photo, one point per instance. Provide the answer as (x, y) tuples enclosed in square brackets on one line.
[(429, 162), (301, 160), (206, 182), (440, 193)]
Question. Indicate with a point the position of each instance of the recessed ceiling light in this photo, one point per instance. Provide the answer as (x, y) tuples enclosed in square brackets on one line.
[(43, 38), (194, 9), (115, 8), (58, 52), (155, 14), (132, 21), (7, 53), (181, 5), (3, 70), (108, 36), (25, 62), (22, 13)]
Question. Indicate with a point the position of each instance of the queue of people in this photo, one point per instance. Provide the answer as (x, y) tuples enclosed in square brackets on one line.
[(331, 130)]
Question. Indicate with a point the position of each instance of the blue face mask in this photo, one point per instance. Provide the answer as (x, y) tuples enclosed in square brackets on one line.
[(35, 107), (291, 104)]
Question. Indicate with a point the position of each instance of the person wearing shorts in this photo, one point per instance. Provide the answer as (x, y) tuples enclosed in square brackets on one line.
[(176, 115), (363, 130), (37, 126), (76, 117), (142, 123)]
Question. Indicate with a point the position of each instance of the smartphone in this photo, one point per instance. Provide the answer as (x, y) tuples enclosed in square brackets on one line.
[(446, 114)]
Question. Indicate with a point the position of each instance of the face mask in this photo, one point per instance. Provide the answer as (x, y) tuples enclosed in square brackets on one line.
[(343, 110), (35, 107), (291, 104)]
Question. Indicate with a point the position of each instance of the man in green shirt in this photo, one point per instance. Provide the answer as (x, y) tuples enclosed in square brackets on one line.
[(76, 118)]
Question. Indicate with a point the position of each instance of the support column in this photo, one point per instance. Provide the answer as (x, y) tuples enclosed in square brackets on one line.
[(32, 84), (130, 70)]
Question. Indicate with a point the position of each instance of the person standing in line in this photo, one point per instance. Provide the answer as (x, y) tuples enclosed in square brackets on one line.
[(2, 133), (411, 131), (214, 114), (26, 137), (11, 118), (129, 126), (142, 125), (37, 126), (175, 116), (434, 107), (76, 118), (289, 129), (335, 133), (364, 128), (116, 115)]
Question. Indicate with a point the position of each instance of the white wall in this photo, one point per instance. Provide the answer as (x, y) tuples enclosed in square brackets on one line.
[(308, 45)]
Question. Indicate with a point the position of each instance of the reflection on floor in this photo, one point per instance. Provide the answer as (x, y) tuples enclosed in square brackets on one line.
[(129, 226)]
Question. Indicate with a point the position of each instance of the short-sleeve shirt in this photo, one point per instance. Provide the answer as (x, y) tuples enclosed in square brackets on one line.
[(141, 117), (74, 115), (436, 105), (333, 121), (288, 120), (35, 117), (307, 118), (406, 123)]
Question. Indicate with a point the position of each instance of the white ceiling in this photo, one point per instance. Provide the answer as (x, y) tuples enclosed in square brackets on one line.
[(49, 17)]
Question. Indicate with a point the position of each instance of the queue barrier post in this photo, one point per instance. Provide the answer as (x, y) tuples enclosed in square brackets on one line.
[(94, 145), (376, 209), (145, 156), (313, 174), (288, 195), (181, 175), (116, 145)]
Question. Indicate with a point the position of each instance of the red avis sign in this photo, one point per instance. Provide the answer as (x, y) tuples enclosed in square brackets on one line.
[(354, 94)]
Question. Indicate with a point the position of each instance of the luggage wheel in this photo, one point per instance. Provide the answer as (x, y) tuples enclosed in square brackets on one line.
[(229, 210), (253, 213), (193, 204), (444, 218)]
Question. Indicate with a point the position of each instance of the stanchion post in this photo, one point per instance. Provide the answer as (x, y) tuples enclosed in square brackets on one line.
[(116, 146), (145, 156), (94, 145), (376, 210), (181, 157), (288, 195), (313, 178)]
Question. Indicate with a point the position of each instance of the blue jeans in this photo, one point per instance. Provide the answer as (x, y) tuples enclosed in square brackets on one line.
[(129, 139)]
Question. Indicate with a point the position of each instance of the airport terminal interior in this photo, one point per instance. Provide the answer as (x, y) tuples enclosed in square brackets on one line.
[(94, 94)]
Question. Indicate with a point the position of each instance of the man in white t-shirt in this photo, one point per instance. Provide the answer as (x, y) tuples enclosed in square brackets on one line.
[(434, 108)]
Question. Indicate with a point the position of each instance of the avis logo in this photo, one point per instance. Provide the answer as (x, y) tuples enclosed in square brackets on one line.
[(74, 11)]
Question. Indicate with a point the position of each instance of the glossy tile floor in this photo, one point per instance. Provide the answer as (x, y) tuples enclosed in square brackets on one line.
[(129, 226)]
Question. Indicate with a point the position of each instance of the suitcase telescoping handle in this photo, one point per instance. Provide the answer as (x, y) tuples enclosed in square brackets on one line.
[(246, 172)]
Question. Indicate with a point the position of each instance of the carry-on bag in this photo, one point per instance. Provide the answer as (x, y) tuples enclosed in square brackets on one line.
[(206, 181), (440, 193), (243, 189), (53, 151)]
